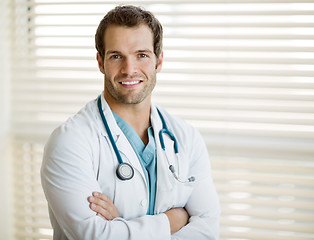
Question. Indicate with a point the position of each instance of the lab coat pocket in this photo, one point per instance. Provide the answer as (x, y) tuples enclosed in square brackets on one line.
[(177, 196), (181, 194)]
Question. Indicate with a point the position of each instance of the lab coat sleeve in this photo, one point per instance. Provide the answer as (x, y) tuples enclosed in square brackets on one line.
[(68, 179), (203, 205)]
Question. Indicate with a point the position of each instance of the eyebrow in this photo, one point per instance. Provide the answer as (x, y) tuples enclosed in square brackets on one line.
[(112, 52), (144, 51), (138, 51)]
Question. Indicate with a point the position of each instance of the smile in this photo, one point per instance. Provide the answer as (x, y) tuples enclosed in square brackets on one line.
[(130, 83)]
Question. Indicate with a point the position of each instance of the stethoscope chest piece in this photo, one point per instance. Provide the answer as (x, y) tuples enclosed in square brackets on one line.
[(125, 171)]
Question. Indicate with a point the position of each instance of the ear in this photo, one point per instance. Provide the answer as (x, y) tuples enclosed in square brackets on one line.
[(159, 62), (100, 63)]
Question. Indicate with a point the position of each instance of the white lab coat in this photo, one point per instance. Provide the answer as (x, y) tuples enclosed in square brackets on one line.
[(79, 159)]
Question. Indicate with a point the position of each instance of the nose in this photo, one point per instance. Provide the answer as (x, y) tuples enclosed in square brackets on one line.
[(129, 66)]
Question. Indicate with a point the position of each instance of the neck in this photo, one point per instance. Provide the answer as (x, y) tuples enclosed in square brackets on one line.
[(136, 115)]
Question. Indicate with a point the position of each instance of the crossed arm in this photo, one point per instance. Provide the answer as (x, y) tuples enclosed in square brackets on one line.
[(65, 159), (104, 207)]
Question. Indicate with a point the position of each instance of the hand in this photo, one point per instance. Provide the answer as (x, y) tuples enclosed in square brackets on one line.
[(178, 218), (103, 206)]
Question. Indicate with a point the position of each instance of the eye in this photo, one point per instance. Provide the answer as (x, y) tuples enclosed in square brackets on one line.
[(115, 56), (142, 55)]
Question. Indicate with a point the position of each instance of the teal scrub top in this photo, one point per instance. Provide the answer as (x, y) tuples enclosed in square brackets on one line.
[(146, 155)]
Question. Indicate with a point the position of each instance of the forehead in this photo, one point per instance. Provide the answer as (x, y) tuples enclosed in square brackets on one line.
[(121, 38)]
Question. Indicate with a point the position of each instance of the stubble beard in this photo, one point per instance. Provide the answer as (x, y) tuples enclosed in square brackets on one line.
[(130, 97)]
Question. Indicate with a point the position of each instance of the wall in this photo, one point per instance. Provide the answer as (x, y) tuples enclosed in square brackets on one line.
[(5, 164)]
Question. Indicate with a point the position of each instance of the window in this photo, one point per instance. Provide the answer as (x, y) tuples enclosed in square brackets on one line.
[(242, 72)]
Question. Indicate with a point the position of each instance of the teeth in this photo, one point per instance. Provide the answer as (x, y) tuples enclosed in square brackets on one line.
[(130, 83)]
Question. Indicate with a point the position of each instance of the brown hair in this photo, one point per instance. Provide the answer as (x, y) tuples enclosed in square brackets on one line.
[(129, 16)]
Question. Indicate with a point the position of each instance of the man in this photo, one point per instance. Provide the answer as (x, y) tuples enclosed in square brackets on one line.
[(143, 199)]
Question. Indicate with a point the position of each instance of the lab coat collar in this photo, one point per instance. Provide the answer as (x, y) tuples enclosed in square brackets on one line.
[(114, 128)]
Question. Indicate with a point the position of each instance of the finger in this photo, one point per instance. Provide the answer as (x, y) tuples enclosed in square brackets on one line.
[(108, 209), (100, 210), (102, 207), (91, 199), (102, 196), (98, 201), (104, 202)]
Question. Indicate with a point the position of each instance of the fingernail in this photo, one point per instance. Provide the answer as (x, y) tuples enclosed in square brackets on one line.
[(95, 194), (91, 199)]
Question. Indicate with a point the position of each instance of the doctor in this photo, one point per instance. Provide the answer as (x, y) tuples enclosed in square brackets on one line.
[(111, 171)]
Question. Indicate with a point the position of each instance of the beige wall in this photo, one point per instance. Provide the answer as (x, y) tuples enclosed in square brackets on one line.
[(5, 165)]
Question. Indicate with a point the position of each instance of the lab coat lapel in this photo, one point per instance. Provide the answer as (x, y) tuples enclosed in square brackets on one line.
[(165, 181), (130, 156), (126, 150)]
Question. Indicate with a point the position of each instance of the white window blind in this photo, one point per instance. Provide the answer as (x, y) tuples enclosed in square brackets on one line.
[(241, 71)]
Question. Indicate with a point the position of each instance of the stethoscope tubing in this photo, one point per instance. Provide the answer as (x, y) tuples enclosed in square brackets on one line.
[(114, 145), (124, 170)]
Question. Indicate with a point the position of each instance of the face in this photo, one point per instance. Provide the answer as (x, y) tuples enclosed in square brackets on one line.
[(130, 65)]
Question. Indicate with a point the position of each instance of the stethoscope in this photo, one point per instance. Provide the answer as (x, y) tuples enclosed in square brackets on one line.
[(124, 170)]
